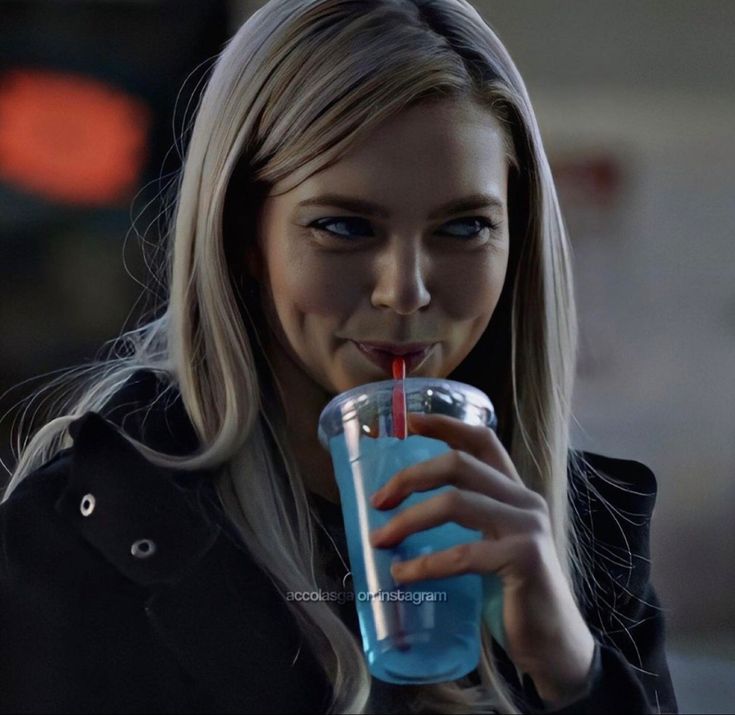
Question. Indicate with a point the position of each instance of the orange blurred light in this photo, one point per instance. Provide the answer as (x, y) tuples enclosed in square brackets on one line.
[(70, 138)]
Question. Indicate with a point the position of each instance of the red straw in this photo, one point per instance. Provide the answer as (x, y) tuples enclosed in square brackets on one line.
[(399, 430), (399, 398)]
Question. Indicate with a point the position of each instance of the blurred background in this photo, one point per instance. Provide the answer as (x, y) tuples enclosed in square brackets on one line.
[(636, 102)]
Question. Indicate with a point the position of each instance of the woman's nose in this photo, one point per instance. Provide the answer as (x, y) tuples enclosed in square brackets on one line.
[(400, 282)]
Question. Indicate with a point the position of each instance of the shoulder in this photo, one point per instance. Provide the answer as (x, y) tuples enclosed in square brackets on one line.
[(149, 408), (612, 503), (100, 497), (144, 408), (28, 521), (600, 483)]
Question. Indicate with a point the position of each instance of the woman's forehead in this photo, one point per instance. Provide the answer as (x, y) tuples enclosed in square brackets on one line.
[(441, 152)]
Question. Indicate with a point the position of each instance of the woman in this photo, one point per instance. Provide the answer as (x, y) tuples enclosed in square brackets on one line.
[(358, 172)]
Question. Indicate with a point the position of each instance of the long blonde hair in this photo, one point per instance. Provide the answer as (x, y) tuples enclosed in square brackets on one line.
[(299, 84)]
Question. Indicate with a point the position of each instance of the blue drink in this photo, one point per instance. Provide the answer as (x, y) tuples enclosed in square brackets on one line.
[(426, 631), (430, 631)]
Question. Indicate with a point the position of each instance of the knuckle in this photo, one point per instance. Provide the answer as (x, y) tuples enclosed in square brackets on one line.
[(537, 502), (453, 499), (483, 433), (403, 480), (532, 552), (537, 521), (398, 480), (458, 459), (461, 557), (454, 457), (423, 565), (487, 440), (398, 523)]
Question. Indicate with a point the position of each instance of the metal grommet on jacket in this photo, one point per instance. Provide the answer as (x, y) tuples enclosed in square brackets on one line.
[(87, 505), (143, 548)]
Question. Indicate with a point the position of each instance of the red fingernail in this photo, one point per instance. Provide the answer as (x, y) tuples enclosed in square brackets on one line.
[(378, 499), (376, 537)]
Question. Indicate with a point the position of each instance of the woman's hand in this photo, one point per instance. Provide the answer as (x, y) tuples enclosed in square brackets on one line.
[(546, 635)]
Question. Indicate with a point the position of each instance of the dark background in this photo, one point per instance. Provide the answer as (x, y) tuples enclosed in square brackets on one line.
[(87, 98)]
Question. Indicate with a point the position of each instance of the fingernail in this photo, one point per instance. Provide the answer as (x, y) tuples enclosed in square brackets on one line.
[(378, 498), (376, 536)]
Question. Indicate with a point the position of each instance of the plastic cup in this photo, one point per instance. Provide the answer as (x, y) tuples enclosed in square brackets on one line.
[(422, 632)]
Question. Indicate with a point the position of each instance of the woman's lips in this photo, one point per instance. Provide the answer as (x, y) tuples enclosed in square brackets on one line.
[(384, 359)]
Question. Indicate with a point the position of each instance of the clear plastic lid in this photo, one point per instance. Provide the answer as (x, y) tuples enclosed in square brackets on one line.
[(371, 404)]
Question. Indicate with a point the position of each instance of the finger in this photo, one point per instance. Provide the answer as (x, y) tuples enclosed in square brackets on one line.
[(454, 468), (483, 557), (478, 440), (468, 509)]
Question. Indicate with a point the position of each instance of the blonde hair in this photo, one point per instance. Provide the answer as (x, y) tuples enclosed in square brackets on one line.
[(300, 83)]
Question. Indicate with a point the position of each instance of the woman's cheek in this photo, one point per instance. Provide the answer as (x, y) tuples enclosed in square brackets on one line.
[(321, 287), (473, 289)]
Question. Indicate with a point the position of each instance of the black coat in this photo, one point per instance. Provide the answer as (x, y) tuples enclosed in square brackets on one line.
[(124, 589)]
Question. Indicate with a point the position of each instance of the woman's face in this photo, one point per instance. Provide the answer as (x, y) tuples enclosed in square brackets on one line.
[(367, 250)]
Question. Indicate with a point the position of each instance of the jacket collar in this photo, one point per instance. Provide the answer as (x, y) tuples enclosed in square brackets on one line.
[(143, 518)]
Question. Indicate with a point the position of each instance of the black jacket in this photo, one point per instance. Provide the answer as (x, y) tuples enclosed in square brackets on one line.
[(124, 589)]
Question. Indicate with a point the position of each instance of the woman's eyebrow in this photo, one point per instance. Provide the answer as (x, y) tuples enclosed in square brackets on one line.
[(349, 203)]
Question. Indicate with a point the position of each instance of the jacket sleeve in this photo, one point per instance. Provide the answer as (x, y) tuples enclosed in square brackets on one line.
[(30, 675), (614, 502)]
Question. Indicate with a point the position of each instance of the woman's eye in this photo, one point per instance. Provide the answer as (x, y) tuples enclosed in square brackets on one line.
[(343, 227), (476, 224)]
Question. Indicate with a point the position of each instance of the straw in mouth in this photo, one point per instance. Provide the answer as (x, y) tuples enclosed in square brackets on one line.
[(399, 397)]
